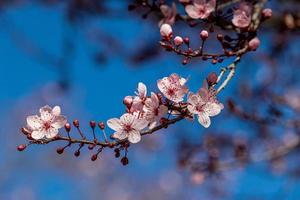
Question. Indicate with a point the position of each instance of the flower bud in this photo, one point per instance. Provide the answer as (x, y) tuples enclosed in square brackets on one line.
[(204, 35), (68, 127), (117, 153), (128, 101), (124, 161), (60, 150), (101, 125), (178, 40), (77, 153), (254, 44), (94, 157), (21, 147), (267, 13), (76, 123), (220, 37), (186, 40), (92, 124), (212, 78), (166, 31)]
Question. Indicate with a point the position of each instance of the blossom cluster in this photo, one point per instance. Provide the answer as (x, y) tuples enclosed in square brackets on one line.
[(142, 111), (206, 10)]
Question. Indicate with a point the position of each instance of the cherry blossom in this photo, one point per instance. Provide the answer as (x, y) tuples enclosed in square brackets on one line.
[(242, 16), (47, 124), (204, 34), (254, 44), (173, 87), (139, 99), (267, 13), (178, 40), (153, 110), (200, 9), (128, 126), (204, 104), (166, 31), (169, 14)]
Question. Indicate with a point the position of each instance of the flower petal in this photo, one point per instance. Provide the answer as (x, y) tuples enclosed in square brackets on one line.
[(191, 10), (134, 136), (142, 90), (56, 110), (59, 122), (127, 118), (120, 135), (51, 133), (212, 109), (154, 100), (114, 124), (204, 119), (139, 124), (152, 125), (34, 122), (46, 113), (38, 134)]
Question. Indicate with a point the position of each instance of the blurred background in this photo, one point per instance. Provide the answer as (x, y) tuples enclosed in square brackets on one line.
[(87, 55)]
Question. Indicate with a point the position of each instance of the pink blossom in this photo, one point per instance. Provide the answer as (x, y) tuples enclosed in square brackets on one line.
[(169, 14), (166, 31), (242, 16), (198, 104), (204, 104), (47, 124), (154, 111), (139, 99), (178, 40), (128, 126), (204, 34), (254, 44), (173, 87), (267, 13), (200, 8)]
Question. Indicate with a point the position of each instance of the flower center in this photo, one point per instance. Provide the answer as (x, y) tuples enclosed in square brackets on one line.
[(201, 11), (47, 125), (199, 108), (127, 128), (171, 91), (156, 112)]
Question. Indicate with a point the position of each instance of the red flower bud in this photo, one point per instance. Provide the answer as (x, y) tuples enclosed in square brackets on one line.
[(101, 125), (124, 161), (94, 157), (68, 127), (204, 35), (128, 101), (76, 123), (60, 150), (77, 153), (92, 124), (21, 147), (212, 78)]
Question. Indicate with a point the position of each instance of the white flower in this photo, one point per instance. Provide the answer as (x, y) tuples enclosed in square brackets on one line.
[(200, 8), (128, 126), (139, 99), (173, 87), (166, 30), (204, 106), (154, 111), (47, 124)]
